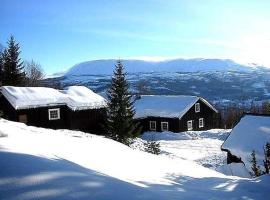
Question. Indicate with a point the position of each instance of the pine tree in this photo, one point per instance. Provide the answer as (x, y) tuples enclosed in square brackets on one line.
[(1, 68), (152, 147), (255, 168), (13, 73), (266, 161), (120, 113)]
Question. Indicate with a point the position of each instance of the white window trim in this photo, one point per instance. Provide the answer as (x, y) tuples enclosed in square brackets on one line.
[(58, 113), (167, 126), (201, 122), (197, 107), (155, 125), (188, 128)]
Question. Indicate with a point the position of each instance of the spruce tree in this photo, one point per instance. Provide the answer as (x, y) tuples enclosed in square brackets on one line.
[(152, 147), (13, 73), (266, 161), (120, 113), (255, 168), (1, 68)]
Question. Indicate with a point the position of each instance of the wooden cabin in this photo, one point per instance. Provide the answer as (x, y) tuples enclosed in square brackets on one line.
[(76, 108), (251, 133), (175, 113)]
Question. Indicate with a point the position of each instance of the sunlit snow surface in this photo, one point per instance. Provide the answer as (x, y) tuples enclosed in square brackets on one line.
[(41, 163)]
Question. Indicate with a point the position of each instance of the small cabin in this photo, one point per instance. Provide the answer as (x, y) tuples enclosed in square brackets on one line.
[(251, 133), (175, 113), (76, 108)]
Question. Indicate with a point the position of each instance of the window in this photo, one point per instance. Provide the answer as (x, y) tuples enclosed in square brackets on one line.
[(164, 126), (152, 125), (201, 123), (23, 118), (189, 125), (197, 107), (54, 114)]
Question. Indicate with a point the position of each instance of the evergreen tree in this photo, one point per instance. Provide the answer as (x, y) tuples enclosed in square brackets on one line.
[(120, 113), (255, 168), (13, 73), (266, 161), (1, 68), (152, 147)]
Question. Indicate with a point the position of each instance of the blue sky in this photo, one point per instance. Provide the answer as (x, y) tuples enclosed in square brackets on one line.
[(61, 33)]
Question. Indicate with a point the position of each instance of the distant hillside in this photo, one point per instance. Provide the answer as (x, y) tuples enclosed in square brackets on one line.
[(223, 81), (105, 67)]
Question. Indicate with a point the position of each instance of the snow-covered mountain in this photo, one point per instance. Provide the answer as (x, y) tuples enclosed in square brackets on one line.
[(102, 67), (218, 80)]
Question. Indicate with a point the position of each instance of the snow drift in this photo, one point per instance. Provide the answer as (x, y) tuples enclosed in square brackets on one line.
[(39, 163)]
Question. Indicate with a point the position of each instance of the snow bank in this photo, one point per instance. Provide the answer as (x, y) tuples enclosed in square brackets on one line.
[(38, 163), (234, 169), (251, 133), (202, 147), (166, 135), (75, 97)]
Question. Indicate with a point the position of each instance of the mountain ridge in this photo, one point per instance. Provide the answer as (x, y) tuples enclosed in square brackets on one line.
[(106, 66)]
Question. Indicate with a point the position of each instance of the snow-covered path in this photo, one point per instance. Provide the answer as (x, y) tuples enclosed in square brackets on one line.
[(40, 163)]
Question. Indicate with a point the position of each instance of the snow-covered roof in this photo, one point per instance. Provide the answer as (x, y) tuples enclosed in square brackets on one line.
[(165, 106), (75, 97), (81, 97), (251, 133)]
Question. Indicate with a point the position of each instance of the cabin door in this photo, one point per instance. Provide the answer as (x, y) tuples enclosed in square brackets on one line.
[(23, 118), (189, 125)]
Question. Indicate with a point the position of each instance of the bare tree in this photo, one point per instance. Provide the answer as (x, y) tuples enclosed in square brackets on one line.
[(34, 74)]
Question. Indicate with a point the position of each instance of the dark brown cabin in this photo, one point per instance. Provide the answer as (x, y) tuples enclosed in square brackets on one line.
[(76, 108), (175, 113)]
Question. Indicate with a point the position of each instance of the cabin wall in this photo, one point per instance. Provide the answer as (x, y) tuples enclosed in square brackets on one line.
[(211, 118), (8, 111), (40, 117), (172, 122), (232, 158), (92, 121)]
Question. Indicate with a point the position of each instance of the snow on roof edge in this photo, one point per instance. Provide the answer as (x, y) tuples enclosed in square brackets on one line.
[(67, 101)]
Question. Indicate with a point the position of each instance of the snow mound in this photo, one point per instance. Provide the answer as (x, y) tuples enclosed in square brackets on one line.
[(251, 133), (166, 135), (234, 169), (38, 163)]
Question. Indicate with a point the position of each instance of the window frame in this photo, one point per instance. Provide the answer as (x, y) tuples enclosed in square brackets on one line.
[(191, 122), (58, 113), (162, 126), (201, 120), (150, 122), (197, 107)]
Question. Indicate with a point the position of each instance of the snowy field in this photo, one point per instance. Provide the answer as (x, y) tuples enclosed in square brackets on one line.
[(203, 147), (39, 163)]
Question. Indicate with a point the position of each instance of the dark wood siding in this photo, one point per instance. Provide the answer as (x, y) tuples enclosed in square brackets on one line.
[(172, 122), (211, 118), (40, 117), (88, 120)]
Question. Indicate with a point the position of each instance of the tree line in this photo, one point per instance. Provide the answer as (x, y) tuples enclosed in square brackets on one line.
[(14, 71)]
